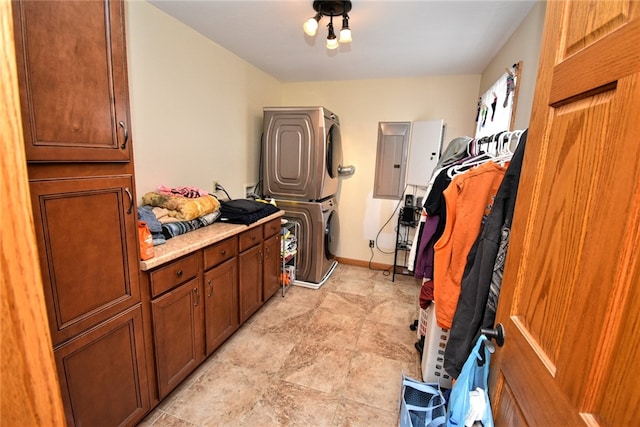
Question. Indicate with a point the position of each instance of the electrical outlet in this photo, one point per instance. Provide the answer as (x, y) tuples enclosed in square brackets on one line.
[(214, 185), (249, 189), (371, 242)]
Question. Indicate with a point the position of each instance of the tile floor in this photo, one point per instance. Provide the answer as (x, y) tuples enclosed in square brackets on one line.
[(326, 357)]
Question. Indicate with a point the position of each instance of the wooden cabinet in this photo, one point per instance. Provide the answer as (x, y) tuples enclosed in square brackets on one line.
[(86, 233), (221, 293), (199, 300), (221, 303), (250, 272), (177, 322), (72, 77), (271, 263), (73, 86), (102, 373)]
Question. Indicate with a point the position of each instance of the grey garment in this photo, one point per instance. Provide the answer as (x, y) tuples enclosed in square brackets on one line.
[(456, 150)]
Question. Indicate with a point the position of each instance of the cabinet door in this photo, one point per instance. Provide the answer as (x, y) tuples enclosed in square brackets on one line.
[(250, 266), (87, 242), (103, 375), (178, 336), (72, 74), (221, 303), (271, 266)]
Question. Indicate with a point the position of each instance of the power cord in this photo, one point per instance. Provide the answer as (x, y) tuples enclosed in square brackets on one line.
[(219, 187)]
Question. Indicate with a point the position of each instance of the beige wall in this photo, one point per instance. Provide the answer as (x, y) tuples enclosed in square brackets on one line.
[(523, 45), (197, 116), (196, 108), (361, 105)]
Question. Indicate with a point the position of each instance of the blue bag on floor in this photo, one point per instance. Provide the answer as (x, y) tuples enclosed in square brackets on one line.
[(421, 404), (471, 378)]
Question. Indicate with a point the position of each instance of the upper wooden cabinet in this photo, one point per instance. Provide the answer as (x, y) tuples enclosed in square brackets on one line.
[(72, 73)]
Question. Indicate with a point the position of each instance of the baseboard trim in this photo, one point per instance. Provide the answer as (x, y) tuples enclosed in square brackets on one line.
[(365, 264)]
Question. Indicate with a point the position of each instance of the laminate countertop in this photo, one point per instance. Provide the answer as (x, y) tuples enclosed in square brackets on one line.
[(190, 242)]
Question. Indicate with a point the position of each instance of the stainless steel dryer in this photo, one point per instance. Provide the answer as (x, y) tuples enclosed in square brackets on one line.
[(318, 239), (302, 153)]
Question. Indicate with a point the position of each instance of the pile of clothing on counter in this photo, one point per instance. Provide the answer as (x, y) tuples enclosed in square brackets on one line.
[(170, 212)]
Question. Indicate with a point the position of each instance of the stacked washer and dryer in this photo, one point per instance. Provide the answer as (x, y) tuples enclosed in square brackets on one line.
[(301, 167)]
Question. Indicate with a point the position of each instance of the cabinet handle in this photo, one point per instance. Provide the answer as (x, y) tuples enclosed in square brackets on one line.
[(197, 300), (126, 134), (223, 252), (210, 283), (179, 273), (126, 190)]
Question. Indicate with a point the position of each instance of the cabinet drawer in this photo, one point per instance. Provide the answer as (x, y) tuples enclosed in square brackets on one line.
[(219, 252), (250, 238), (272, 227), (174, 274)]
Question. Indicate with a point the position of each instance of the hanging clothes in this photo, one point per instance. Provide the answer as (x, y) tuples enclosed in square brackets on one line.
[(468, 199), (482, 277)]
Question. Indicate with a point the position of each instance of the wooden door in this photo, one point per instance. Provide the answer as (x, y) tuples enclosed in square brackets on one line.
[(103, 374), (86, 233), (250, 281), (178, 335), (271, 267), (72, 70), (221, 303), (570, 301)]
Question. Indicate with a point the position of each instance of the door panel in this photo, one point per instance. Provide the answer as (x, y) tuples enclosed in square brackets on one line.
[(221, 303), (569, 296), (73, 89), (86, 230), (102, 373)]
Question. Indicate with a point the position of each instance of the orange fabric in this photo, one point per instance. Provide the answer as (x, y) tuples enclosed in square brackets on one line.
[(469, 198)]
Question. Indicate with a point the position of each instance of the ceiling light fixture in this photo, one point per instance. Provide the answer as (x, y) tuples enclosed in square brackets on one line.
[(330, 9)]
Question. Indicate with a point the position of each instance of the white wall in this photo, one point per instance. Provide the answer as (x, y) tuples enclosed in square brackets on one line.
[(361, 105), (196, 108), (523, 45)]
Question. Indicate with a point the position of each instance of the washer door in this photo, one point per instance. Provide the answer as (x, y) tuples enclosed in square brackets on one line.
[(331, 233), (334, 151)]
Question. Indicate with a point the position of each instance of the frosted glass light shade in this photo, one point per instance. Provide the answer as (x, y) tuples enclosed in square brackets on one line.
[(310, 27), (345, 35), (332, 43)]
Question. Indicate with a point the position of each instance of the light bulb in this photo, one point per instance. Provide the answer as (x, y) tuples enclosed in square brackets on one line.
[(311, 26), (345, 32), (332, 43), (345, 35)]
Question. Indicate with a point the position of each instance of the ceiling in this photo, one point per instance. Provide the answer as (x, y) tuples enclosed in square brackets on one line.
[(391, 39)]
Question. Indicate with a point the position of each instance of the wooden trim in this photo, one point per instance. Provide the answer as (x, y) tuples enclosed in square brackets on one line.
[(365, 264), (516, 93), (30, 390)]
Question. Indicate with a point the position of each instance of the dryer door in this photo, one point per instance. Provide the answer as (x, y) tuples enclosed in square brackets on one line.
[(331, 233), (334, 151)]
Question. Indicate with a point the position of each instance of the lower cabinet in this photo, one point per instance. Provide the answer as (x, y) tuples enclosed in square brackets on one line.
[(177, 325), (271, 266), (199, 301), (250, 281), (103, 375), (221, 303)]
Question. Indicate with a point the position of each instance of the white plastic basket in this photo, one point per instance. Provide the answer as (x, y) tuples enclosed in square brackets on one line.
[(435, 341)]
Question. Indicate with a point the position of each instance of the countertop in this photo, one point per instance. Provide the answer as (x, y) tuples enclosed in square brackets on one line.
[(200, 238)]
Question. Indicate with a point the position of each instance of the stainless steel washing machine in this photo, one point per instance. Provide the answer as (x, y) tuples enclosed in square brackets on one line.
[(302, 153), (318, 239)]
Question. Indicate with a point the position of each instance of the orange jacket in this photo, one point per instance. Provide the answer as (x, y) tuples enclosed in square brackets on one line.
[(469, 198)]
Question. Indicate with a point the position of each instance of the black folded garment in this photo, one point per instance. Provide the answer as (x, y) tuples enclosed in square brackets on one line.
[(244, 211)]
